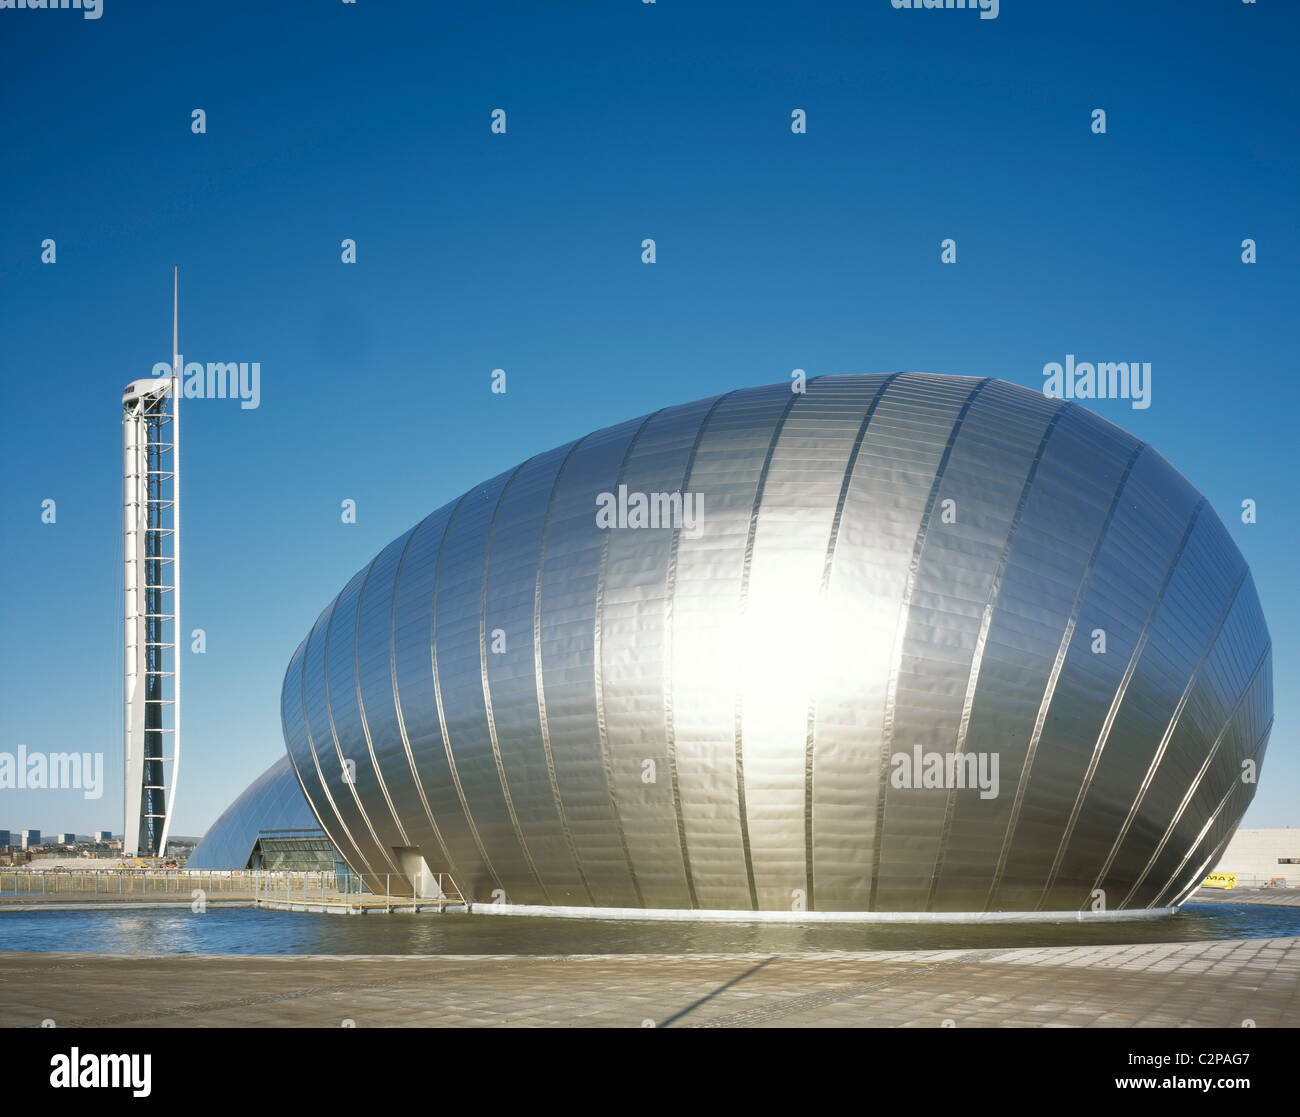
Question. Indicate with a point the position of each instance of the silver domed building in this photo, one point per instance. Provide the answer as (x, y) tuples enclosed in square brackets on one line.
[(272, 802), (897, 644)]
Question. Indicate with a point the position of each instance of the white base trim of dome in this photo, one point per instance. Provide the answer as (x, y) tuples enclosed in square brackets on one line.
[(686, 915)]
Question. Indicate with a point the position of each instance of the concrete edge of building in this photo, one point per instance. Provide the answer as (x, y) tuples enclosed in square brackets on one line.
[(727, 916)]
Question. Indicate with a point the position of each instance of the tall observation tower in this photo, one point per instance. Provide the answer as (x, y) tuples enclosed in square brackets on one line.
[(151, 557)]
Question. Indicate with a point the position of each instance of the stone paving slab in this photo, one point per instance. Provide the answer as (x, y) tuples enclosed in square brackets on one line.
[(1203, 984)]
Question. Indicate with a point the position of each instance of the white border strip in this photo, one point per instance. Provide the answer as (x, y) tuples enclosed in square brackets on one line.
[(682, 915)]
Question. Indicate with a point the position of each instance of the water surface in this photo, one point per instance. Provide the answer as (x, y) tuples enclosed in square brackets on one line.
[(252, 931)]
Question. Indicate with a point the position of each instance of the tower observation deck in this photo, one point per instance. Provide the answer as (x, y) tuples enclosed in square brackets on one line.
[(151, 563)]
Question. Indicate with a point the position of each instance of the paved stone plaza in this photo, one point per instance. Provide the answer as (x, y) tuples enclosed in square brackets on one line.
[(1203, 984)]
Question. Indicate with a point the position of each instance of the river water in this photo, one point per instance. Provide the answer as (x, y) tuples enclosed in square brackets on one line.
[(252, 931)]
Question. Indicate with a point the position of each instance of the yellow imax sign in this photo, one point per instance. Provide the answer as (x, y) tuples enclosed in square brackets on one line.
[(1220, 880)]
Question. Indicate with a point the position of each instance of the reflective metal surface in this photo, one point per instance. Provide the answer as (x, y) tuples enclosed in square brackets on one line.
[(273, 801), (723, 715)]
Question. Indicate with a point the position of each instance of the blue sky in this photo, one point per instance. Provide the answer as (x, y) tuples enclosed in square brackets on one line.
[(522, 251)]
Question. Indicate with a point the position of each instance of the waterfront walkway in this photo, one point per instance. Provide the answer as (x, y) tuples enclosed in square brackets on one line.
[(1200, 984), (1273, 897)]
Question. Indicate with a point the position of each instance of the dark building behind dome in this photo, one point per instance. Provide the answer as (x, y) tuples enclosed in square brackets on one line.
[(930, 644)]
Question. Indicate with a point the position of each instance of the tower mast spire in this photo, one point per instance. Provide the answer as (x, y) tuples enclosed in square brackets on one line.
[(177, 653)]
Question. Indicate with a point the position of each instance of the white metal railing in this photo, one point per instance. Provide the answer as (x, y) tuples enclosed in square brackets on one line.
[(179, 883), (269, 885)]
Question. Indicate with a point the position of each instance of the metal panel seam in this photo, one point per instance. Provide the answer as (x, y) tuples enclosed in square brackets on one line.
[(1200, 775), (537, 670), (316, 760), (827, 567), (900, 636), (1049, 691), (437, 698), (1168, 734), (349, 777), (284, 728), (1116, 701), (597, 653), (487, 688), (740, 612), (977, 655), (449, 860), (361, 710), (670, 589), (1217, 851)]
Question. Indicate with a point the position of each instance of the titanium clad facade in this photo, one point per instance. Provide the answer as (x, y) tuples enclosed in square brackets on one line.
[(918, 643), (273, 801)]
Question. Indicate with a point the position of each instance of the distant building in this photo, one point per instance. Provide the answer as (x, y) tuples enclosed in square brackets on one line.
[(31, 838), (4, 838), (1259, 857), (103, 835), (66, 839)]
